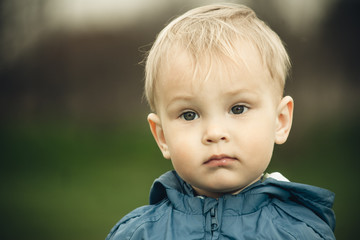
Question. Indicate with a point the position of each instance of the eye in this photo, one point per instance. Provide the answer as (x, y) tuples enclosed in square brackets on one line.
[(189, 116), (239, 109)]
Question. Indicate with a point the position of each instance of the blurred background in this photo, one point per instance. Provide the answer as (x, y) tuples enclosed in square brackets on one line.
[(76, 152)]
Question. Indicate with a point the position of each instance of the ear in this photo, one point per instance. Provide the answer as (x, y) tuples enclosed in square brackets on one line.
[(284, 119), (158, 133)]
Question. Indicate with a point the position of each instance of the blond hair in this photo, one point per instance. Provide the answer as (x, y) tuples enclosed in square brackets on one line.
[(215, 29)]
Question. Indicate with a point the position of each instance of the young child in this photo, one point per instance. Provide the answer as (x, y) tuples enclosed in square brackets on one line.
[(214, 80)]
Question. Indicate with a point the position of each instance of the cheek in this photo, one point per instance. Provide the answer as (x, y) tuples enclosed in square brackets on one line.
[(259, 150), (180, 143), (257, 140), (183, 155)]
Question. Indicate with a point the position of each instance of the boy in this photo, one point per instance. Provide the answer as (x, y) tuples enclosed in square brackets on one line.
[(214, 80)]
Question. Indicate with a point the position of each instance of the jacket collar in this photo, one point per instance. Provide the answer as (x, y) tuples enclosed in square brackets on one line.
[(181, 195)]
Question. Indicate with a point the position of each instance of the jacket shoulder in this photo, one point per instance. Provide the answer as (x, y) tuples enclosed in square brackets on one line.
[(309, 208), (299, 221), (135, 220)]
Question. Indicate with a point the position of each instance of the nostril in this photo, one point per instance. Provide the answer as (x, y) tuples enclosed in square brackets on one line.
[(215, 135), (210, 140)]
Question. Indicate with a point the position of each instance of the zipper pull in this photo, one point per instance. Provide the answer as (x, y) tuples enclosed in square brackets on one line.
[(214, 221)]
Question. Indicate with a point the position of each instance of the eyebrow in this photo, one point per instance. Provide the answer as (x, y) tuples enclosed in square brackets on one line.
[(232, 93), (249, 93), (241, 91), (179, 98)]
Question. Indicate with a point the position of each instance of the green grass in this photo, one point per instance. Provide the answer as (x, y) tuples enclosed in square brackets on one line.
[(67, 181)]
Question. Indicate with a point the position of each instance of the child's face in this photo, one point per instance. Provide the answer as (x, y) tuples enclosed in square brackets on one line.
[(219, 133)]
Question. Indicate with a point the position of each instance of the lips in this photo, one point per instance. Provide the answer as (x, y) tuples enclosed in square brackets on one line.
[(220, 160)]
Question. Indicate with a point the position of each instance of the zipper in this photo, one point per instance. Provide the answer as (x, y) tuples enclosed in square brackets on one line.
[(214, 220)]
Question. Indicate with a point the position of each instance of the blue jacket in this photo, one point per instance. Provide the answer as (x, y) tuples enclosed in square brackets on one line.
[(268, 209)]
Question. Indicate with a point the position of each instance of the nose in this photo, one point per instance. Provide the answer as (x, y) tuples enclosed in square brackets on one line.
[(215, 134)]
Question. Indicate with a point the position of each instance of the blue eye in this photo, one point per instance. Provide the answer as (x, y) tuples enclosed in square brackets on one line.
[(238, 109), (189, 116)]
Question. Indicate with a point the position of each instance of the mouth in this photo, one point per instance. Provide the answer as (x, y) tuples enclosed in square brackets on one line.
[(220, 160)]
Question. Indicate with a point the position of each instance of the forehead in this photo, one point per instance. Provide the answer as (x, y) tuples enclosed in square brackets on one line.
[(183, 67)]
